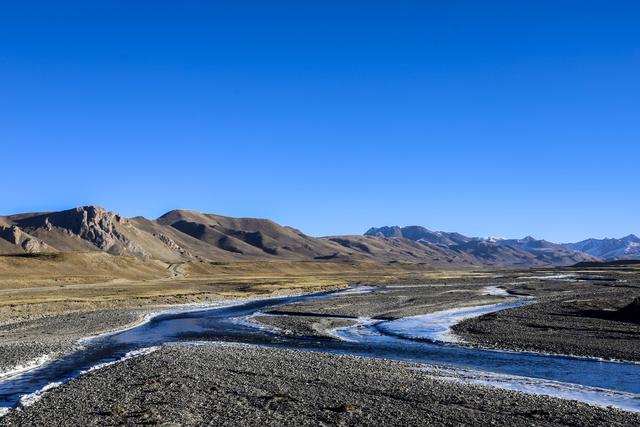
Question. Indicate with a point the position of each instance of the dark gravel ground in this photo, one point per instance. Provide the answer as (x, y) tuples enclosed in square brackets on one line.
[(22, 342), (252, 386), (572, 323), (312, 327), (572, 314), (239, 385), (397, 301)]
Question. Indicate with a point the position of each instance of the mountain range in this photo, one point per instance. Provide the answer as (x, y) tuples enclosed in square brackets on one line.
[(609, 249), (625, 248), (184, 235), (527, 251)]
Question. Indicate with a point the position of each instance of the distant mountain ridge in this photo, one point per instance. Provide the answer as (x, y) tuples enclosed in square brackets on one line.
[(627, 247), (184, 235), (528, 249)]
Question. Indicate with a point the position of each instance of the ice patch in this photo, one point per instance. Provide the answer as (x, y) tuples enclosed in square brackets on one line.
[(129, 355), (357, 290), (422, 285), (24, 367), (495, 291), (549, 277), (344, 333), (591, 395), (30, 399), (252, 322), (437, 326)]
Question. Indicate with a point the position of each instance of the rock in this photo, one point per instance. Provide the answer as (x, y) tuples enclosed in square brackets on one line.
[(168, 241), (12, 234), (27, 242), (32, 245), (99, 227)]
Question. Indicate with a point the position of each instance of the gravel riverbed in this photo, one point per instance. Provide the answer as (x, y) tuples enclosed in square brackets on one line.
[(25, 342), (225, 384)]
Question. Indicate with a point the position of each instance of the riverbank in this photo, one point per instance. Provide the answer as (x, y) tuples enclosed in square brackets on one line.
[(246, 385), (27, 343), (57, 334), (572, 313), (575, 323), (564, 319), (39, 286), (49, 302)]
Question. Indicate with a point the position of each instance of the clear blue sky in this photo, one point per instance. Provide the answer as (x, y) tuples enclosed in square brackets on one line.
[(487, 118)]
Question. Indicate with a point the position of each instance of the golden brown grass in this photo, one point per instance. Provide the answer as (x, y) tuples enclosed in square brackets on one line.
[(41, 285)]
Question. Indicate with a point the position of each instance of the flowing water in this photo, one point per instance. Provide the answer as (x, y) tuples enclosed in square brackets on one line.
[(423, 339)]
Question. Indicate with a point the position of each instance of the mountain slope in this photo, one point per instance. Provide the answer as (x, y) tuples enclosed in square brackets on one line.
[(183, 235), (419, 234), (176, 236), (89, 228), (250, 237), (609, 249), (385, 249), (547, 251)]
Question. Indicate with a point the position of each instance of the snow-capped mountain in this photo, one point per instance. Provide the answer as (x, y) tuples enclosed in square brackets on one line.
[(419, 234), (610, 249), (527, 251)]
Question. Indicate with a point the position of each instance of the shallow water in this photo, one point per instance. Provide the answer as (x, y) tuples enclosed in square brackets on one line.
[(411, 339)]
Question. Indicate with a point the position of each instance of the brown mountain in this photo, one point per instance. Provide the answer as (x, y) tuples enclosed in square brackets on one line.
[(183, 235)]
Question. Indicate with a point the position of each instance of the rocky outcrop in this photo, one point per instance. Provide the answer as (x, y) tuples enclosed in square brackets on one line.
[(12, 234), (94, 224), (171, 244), (104, 230), (19, 238), (31, 245)]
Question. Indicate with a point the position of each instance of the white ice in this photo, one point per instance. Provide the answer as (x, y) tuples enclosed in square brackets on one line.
[(437, 326), (495, 291), (592, 395), (24, 367)]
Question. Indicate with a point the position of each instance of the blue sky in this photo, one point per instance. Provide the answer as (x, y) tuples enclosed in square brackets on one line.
[(487, 118)]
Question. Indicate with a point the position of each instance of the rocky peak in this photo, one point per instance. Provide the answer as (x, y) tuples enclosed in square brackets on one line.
[(12, 234), (18, 237), (392, 231), (91, 223), (32, 245)]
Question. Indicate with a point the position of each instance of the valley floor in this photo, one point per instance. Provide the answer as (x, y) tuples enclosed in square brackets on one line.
[(574, 313)]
